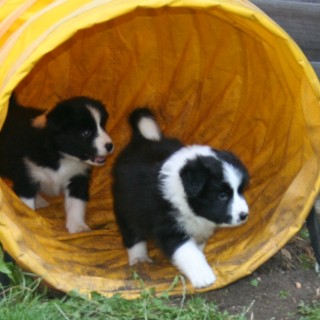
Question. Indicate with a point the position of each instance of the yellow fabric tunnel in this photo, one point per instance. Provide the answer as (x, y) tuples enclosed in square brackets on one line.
[(217, 72)]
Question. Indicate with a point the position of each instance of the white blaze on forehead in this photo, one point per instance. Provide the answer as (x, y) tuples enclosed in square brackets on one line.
[(102, 138), (234, 178), (232, 175), (149, 129)]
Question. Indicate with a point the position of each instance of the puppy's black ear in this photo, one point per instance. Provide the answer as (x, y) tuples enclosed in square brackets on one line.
[(194, 176), (196, 173), (58, 118)]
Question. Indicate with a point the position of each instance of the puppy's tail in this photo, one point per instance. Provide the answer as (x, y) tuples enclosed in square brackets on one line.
[(143, 124)]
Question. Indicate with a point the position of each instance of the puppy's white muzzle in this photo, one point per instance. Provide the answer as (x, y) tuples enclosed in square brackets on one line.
[(239, 211)]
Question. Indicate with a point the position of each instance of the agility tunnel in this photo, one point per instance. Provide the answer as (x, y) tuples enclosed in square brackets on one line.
[(217, 72)]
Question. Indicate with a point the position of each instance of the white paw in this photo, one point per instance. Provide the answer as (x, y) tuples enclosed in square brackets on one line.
[(30, 202), (201, 245), (190, 260), (77, 228), (140, 260), (204, 277), (75, 214), (40, 202), (138, 253)]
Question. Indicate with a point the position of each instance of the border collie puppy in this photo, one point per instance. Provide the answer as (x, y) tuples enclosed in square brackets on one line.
[(176, 195), (55, 157)]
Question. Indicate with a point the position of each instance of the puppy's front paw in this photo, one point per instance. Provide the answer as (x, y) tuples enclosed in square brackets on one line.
[(77, 228), (40, 202), (139, 260), (204, 277), (193, 264)]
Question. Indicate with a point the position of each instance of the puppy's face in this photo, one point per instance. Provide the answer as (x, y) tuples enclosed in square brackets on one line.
[(77, 129), (214, 188)]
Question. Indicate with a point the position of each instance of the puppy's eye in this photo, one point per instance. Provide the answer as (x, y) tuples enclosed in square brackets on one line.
[(86, 133), (223, 196)]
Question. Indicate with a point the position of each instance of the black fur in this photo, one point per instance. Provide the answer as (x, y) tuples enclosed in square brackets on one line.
[(138, 204)]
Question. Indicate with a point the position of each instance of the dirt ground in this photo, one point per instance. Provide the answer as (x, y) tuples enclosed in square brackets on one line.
[(275, 290)]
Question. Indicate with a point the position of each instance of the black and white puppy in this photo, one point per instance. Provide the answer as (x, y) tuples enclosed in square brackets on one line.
[(176, 195), (55, 158)]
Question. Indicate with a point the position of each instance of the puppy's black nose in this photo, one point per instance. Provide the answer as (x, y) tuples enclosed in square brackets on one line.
[(243, 216), (109, 146)]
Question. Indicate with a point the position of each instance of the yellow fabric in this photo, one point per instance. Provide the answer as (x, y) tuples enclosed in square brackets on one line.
[(216, 72)]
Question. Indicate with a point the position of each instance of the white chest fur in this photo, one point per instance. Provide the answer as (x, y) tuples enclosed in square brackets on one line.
[(200, 229), (53, 182)]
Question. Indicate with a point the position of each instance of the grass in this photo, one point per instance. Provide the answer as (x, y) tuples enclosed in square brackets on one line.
[(283, 294), (27, 299), (309, 312), (255, 282), (32, 301), (304, 233)]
